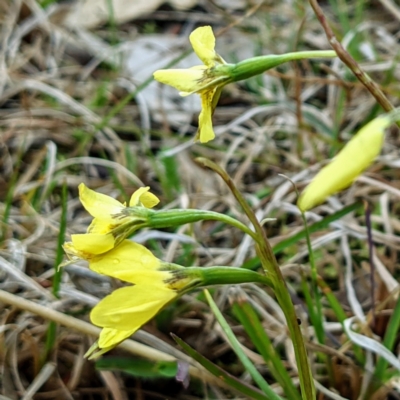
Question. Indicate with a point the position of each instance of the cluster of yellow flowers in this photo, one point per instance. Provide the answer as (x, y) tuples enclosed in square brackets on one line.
[(108, 252)]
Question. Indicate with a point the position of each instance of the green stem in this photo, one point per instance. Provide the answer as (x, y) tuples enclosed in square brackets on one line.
[(318, 319), (271, 267), (168, 218), (226, 276), (257, 65)]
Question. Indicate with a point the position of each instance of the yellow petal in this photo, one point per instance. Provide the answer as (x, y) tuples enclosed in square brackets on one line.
[(97, 204), (142, 196), (110, 337), (203, 43), (186, 80), (92, 243), (103, 225), (356, 156), (130, 262), (128, 308), (206, 131), (149, 200)]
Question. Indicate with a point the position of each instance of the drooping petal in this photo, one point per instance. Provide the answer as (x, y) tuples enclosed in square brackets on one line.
[(130, 262), (185, 80), (128, 308), (92, 243), (206, 131), (203, 43), (97, 204), (110, 337), (142, 196), (356, 156)]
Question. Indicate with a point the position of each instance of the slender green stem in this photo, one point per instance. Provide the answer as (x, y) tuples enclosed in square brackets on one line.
[(340, 315), (318, 316), (237, 348), (226, 276), (257, 65), (168, 218), (271, 267)]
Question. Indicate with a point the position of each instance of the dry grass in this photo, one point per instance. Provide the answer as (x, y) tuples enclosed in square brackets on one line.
[(59, 82)]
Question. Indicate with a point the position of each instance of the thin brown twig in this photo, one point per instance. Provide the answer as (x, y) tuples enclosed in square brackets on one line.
[(347, 59)]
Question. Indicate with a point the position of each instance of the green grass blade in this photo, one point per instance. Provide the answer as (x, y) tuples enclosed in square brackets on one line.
[(389, 340), (247, 316), (234, 383), (52, 329), (249, 366), (340, 315)]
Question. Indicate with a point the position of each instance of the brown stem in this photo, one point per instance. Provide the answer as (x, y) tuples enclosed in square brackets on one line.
[(347, 59)]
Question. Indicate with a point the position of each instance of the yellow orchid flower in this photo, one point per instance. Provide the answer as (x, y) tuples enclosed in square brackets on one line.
[(125, 310), (351, 161), (201, 79), (111, 223)]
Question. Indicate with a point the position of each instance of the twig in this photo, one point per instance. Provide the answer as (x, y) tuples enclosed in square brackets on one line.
[(347, 59)]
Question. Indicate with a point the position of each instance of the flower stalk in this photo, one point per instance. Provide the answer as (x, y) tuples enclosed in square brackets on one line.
[(272, 270), (257, 65)]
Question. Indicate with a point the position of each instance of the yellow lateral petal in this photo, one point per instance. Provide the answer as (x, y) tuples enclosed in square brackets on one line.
[(142, 196), (93, 243), (128, 308), (97, 204), (351, 161), (110, 337), (135, 198), (206, 131), (203, 43), (185, 80), (130, 262), (149, 200)]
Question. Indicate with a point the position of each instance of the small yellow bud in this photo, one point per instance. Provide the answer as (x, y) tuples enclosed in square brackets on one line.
[(351, 161)]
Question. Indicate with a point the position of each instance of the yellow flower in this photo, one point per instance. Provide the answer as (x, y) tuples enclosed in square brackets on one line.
[(111, 223), (201, 79), (351, 161), (125, 310)]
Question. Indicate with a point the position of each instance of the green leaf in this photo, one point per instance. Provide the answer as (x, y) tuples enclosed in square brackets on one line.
[(234, 383), (139, 368)]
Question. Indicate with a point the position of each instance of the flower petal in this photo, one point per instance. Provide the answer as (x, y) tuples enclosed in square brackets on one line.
[(203, 43), (110, 337), (92, 243), (130, 262), (142, 196), (206, 131), (185, 80), (97, 204), (128, 308)]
